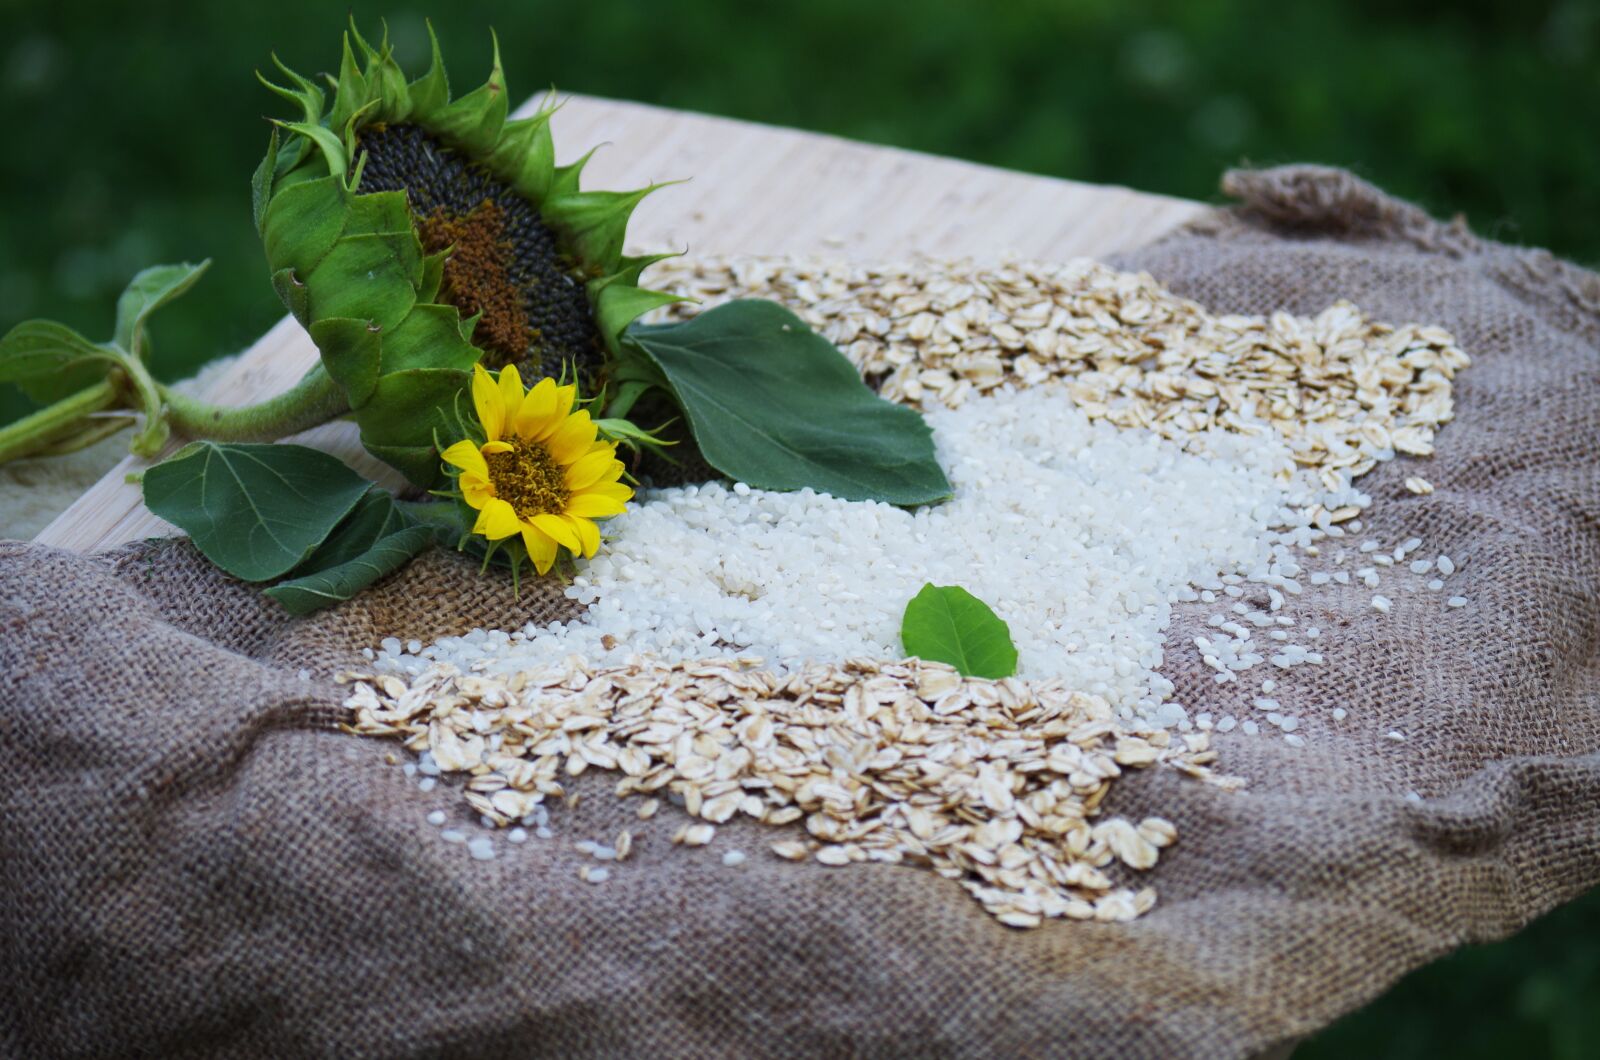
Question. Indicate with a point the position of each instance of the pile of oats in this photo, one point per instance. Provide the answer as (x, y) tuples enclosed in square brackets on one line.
[(995, 784), (1344, 391)]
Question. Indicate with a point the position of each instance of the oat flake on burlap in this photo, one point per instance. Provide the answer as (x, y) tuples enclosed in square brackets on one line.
[(196, 862)]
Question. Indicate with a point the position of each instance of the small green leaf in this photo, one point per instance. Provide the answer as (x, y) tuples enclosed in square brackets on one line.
[(773, 404), (432, 277), (616, 305), (406, 410), (351, 351), (302, 223), (261, 179), (526, 153), (148, 291), (375, 539), (36, 348), (945, 623), (329, 144), (378, 213), (431, 91), (473, 122), (256, 511), (352, 92), (429, 337), (295, 296), (596, 221), (387, 82), (372, 277), (48, 360)]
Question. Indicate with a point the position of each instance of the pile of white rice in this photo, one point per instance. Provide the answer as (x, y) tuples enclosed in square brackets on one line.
[(1081, 536)]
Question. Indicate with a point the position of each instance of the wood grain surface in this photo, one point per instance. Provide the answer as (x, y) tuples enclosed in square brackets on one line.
[(754, 189)]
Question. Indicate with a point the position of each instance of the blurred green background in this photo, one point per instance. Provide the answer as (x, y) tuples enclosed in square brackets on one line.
[(134, 128)]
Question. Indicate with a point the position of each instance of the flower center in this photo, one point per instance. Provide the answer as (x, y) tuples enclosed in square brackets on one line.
[(528, 479), (507, 262), (477, 276)]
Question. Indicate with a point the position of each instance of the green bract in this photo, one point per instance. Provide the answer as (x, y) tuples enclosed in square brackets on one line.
[(352, 267)]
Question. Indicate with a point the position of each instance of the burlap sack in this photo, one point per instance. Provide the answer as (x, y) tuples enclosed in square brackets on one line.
[(196, 862)]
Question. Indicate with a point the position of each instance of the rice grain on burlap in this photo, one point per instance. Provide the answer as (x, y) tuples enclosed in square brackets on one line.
[(196, 863)]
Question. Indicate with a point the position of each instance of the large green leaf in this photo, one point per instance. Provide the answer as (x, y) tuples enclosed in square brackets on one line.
[(148, 291), (945, 623), (256, 511), (375, 539), (773, 404)]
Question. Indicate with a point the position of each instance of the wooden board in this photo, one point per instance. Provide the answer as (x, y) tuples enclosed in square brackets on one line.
[(754, 189)]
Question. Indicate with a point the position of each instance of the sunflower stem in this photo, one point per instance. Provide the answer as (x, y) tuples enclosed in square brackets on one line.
[(314, 400), (54, 424)]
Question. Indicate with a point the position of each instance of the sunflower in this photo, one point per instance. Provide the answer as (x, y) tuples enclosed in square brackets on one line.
[(415, 235), (542, 474)]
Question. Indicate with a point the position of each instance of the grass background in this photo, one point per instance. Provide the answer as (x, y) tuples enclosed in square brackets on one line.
[(133, 129)]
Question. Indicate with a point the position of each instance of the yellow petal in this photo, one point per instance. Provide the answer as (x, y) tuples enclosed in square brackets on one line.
[(510, 393), (540, 548), (558, 529), (486, 400), (615, 490), (490, 448), (594, 506), (589, 469), (497, 519), (537, 407), (466, 456), (588, 533), (571, 439), (476, 490), (565, 396)]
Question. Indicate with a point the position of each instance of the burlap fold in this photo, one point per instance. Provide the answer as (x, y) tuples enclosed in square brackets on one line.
[(195, 862)]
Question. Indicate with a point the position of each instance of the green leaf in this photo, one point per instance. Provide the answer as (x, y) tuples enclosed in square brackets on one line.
[(370, 277), (48, 360), (773, 404), (945, 623), (261, 182), (303, 222), (352, 92), (330, 145), (406, 410), (36, 348), (148, 291), (473, 122), (351, 352), (432, 277), (596, 221), (387, 82), (375, 539), (378, 212), (526, 155), (256, 511), (431, 91), (617, 304), (294, 295), (429, 337)]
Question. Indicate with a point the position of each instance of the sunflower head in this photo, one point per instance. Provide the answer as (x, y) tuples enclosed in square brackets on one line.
[(535, 472), (415, 236)]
